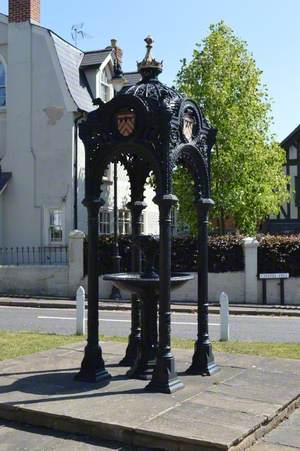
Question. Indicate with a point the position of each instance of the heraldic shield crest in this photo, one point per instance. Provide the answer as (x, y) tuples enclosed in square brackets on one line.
[(126, 122), (188, 126)]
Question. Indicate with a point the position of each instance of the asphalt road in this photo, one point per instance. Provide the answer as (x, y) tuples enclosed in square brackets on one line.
[(243, 328)]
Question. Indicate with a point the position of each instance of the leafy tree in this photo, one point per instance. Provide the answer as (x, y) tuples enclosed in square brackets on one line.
[(248, 182)]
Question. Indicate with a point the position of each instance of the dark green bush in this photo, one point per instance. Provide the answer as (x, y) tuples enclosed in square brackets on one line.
[(225, 253), (276, 253), (279, 253)]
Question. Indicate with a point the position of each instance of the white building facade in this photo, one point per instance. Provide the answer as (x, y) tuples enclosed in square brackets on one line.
[(46, 87)]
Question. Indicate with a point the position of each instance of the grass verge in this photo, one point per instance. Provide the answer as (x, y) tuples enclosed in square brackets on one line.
[(282, 350), (15, 344)]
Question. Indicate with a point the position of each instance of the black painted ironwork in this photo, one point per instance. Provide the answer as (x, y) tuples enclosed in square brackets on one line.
[(134, 338), (147, 287), (150, 127), (92, 366), (115, 292), (34, 255), (203, 359)]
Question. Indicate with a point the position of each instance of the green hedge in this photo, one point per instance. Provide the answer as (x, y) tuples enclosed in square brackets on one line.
[(279, 253), (225, 253)]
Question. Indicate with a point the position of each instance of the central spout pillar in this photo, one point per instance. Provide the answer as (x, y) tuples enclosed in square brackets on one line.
[(147, 351), (134, 338), (203, 362), (92, 366), (164, 378)]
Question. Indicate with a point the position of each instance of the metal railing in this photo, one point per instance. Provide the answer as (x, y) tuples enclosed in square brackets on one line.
[(34, 255)]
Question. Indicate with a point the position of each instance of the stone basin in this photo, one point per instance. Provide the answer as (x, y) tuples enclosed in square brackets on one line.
[(136, 283)]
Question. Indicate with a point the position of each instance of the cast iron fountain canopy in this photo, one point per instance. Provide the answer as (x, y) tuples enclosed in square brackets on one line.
[(149, 127)]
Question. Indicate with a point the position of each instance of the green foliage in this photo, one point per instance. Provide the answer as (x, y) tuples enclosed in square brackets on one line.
[(276, 253), (225, 253), (248, 182)]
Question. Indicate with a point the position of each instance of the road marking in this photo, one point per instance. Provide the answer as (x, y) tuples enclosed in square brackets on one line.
[(113, 320), (192, 324), (74, 319)]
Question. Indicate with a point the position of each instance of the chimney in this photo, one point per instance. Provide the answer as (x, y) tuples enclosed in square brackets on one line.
[(117, 50), (24, 11)]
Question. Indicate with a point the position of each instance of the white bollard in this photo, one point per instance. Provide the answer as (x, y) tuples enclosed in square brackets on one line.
[(80, 310), (224, 317)]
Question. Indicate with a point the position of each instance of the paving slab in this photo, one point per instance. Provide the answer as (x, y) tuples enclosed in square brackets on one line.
[(285, 437), (287, 433), (14, 437), (219, 412), (263, 446)]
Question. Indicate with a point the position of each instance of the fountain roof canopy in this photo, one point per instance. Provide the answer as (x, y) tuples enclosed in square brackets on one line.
[(152, 127)]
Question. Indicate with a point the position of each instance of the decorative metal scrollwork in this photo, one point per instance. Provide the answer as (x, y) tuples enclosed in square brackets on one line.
[(150, 126)]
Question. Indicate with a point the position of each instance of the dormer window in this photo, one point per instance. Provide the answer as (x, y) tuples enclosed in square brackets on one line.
[(105, 88), (2, 84)]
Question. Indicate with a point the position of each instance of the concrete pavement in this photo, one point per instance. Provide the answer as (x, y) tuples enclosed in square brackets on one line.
[(235, 309), (16, 437), (231, 410), (286, 437)]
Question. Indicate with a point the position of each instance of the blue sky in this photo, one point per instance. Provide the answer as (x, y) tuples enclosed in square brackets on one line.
[(271, 28)]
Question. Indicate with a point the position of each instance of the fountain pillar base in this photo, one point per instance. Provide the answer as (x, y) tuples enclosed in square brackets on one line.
[(164, 378), (203, 362), (131, 352), (92, 366), (134, 339), (142, 370)]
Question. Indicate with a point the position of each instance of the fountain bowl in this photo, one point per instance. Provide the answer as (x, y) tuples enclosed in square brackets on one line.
[(139, 284)]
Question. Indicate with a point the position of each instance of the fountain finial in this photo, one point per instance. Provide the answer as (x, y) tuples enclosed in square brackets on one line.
[(149, 66)]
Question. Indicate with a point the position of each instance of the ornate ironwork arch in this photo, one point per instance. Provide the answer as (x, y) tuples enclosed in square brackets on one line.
[(189, 156), (149, 127)]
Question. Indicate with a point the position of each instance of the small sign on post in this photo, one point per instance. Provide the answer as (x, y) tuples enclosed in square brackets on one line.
[(281, 276), (224, 317), (80, 311)]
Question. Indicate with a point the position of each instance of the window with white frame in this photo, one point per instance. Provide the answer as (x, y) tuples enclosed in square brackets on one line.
[(124, 222), (2, 84), (105, 89), (105, 219), (56, 226)]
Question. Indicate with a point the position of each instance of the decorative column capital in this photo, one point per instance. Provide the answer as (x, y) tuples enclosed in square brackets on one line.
[(93, 202), (167, 201), (137, 206), (203, 205)]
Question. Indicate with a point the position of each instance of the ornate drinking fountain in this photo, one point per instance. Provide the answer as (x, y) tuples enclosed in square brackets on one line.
[(149, 128), (146, 285)]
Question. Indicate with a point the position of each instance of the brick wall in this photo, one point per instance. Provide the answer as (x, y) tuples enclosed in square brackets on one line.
[(24, 10)]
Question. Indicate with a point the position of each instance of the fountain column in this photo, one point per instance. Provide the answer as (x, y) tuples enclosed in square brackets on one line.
[(92, 366), (134, 338), (164, 378), (203, 362)]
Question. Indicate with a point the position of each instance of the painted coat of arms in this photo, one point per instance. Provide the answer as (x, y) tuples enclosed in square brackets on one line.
[(126, 122), (188, 126)]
